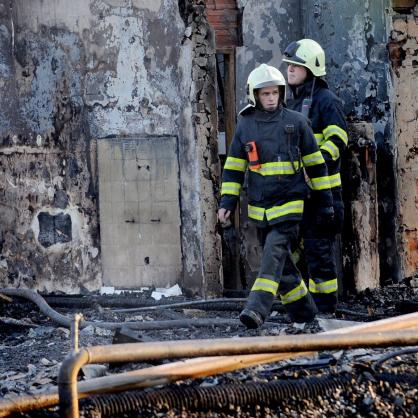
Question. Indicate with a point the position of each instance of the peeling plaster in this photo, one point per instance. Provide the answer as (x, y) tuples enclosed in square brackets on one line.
[(82, 70), (268, 26), (151, 5), (354, 37), (406, 112)]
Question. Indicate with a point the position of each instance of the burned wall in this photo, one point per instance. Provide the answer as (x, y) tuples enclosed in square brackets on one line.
[(200, 185), (354, 36), (75, 72), (268, 26), (403, 47)]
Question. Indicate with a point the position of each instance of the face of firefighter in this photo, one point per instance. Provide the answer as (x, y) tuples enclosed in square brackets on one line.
[(269, 97), (296, 74)]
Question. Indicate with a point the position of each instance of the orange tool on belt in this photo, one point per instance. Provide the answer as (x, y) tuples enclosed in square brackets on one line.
[(251, 150)]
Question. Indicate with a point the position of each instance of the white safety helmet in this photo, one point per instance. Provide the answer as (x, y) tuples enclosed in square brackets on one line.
[(307, 53), (265, 76)]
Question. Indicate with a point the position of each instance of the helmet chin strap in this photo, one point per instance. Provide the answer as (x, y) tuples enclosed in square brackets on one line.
[(296, 88), (313, 87)]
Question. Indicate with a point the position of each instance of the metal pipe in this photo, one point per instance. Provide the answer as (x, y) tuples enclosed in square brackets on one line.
[(74, 330), (143, 378), (223, 364), (67, 379), (67, 386)]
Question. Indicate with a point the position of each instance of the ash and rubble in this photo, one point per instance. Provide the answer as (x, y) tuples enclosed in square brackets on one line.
[(32, 348)]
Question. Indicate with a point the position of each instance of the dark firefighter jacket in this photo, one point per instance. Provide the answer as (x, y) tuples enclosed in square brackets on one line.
[(276, 191), (328, 124)]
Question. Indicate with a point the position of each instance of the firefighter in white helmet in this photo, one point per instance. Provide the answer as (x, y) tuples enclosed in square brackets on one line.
[(274, 144), (312, 97)]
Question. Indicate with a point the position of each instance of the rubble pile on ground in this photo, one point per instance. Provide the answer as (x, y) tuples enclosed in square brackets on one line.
[(32, 348)]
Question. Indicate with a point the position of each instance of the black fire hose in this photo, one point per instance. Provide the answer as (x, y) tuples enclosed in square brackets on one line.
[(133, 304), (387, 356), (66, 321), (137, 304), (222, 397)]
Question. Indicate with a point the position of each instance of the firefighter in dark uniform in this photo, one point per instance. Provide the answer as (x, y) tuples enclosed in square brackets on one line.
[(276, 145), (311, 97)]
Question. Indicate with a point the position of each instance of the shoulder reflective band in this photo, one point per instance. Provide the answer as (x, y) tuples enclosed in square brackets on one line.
[(319, 138), (289, 208), (335, 180), (256, 213), (331, 148), (237, 164), (335, 130), (320, 183), (277, 168), (294, 295), (230, 187), (265, 285), (330, 286), (313, 159)]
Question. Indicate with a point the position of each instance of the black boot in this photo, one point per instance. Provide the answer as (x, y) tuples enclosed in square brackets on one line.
[(251, 319)]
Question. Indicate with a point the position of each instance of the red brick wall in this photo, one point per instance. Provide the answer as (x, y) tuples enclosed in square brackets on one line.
[(223, 16)]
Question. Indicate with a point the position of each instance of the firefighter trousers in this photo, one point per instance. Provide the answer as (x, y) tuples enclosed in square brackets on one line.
[(278, 274), (319, 248)]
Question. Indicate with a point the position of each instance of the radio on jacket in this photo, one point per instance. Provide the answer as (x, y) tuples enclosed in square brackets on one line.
[(251, 150), (306, 107)]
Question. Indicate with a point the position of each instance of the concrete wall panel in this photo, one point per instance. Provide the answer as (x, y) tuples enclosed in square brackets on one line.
[(140, 236)]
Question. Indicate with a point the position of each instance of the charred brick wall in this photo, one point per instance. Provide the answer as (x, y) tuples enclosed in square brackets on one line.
[(225, 18)]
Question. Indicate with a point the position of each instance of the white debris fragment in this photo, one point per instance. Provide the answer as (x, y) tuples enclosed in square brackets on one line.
[(64, 331), (331, 324), (107, 290), (91, 371), (159, 292), (188, 32), (111, 290), (45, 362), (102, 332)]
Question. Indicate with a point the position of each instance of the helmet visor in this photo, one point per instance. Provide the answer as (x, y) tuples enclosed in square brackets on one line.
[(269, 83), (290, 53)]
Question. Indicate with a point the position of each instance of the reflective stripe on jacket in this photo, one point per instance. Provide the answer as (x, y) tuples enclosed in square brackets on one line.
[(277, 189), (328, 124)]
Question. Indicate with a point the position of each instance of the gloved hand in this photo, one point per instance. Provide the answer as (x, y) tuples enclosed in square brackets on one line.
[(224, 217), (325, 218)]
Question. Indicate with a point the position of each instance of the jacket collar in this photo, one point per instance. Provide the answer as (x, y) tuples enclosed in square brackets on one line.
[(264, 116)]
